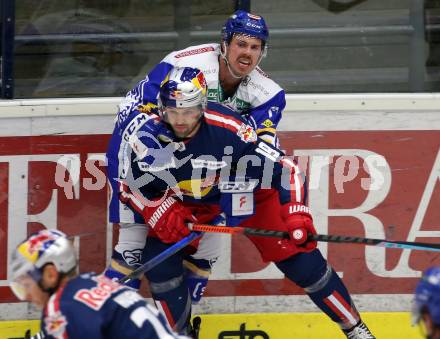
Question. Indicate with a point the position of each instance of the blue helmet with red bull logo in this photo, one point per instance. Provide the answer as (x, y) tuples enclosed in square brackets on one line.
[(41, 248), (183, 87), (427, 296), (242, 22)]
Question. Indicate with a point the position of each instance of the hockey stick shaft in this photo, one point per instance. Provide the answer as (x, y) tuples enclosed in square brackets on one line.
[(238, 230), (378, 242), (167, 253), (150, 264), (161, 257), (319, 237)]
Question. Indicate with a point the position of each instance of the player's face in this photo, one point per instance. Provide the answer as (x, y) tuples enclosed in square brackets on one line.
[(244, 53), (29, 290), (185, 122)]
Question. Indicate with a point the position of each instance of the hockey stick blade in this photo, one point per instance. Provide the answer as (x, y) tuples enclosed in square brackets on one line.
[(319, 237)]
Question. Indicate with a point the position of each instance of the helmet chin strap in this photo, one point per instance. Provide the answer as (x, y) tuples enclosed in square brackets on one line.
[(234, 75), (223, 54)]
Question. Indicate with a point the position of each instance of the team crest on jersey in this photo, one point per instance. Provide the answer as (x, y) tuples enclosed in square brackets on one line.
[(267, 123), (194, 52), (55, 324), (198, 188), (147, 108), (247, 133), (133, 257)]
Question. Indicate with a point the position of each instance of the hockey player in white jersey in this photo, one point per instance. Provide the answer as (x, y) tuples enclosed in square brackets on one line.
[(233, 79), (231, 72)]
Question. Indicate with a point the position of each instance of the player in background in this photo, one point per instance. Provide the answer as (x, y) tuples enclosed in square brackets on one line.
[(230, 170), (233, 79), (426, 309), (79, 306)]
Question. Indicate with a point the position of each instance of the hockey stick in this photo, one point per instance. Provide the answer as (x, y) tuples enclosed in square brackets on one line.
[(319, 237), (150, 264), (160, 257), (167, 253)]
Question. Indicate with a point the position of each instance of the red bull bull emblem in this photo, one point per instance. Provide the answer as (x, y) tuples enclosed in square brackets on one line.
[(247, 133)]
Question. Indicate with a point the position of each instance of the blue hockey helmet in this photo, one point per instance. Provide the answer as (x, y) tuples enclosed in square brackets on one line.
[(242, 22), (427, 295), (183, 87)]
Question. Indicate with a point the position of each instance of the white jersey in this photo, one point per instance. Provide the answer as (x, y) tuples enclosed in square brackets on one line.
[(258, 99)]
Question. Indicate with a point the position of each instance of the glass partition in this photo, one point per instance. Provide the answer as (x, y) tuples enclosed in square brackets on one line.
[(332, 46), (87, 48), (102, 48)]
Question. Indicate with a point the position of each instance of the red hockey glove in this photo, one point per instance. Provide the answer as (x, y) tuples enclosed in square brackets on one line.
[(299, 224), (168, 219)]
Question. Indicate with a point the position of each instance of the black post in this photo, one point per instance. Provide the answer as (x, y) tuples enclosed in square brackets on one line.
[(182, 22), (417, 46), (7, 48), (245, 5)]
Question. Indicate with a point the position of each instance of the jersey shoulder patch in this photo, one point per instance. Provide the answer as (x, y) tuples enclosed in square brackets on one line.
[(245, 132), (54, 321)]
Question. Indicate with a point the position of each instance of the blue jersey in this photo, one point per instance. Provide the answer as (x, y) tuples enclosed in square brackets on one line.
[(93, 306), (225, 158)]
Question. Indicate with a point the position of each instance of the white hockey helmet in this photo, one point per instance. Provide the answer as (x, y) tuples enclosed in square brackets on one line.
[(41, 248), (183, 87)]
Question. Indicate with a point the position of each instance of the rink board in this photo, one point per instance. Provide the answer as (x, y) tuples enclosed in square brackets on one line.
[(371, 173), (270, 325)]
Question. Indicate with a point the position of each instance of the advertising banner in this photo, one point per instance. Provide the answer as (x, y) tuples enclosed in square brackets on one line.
[(375, 184)]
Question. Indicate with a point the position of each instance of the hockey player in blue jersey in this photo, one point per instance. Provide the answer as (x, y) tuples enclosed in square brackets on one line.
[(85, 306), (214, 162), (233, 79), (426, 309)]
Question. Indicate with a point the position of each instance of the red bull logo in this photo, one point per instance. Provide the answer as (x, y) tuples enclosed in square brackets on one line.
[(176, 94), (31, 248), (247, 133), (55, 325), (201, 79)]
